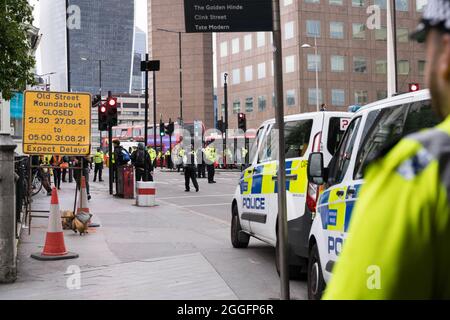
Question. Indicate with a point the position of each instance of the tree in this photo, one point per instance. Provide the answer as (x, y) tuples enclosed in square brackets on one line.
[(16, 59)]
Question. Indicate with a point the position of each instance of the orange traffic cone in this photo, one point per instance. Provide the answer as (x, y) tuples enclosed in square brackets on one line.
[(83, 206), (54, 248)]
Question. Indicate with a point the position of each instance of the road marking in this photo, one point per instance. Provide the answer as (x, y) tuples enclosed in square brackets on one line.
[(207, 205), (204, 196)]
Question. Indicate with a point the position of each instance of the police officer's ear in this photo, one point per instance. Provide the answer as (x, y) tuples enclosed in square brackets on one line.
[(444, 61)]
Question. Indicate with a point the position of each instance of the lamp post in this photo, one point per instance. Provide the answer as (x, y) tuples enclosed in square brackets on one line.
[(307, 46), (180, 69)]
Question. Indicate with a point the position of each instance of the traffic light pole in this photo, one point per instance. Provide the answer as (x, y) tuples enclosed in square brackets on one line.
[(154, 111), (146, 120), (110, 151), (225, 98)]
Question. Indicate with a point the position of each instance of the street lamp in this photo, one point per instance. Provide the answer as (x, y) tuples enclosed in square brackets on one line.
[(308, 46), (181, 70)]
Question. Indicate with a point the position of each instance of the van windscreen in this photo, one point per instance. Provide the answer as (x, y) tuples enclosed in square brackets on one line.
[(297, 135)]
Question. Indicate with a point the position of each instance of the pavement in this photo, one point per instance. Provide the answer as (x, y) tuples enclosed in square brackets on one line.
[(179, 249)]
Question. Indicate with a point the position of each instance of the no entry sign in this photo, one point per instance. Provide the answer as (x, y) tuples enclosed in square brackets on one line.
[(228, 15)]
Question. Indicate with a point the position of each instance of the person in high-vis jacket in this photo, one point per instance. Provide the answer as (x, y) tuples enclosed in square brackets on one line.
[(399, 237), (98, 164), (211, 158)]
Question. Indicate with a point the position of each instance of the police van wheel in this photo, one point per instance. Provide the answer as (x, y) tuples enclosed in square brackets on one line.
[(239, 239), (316, 283)]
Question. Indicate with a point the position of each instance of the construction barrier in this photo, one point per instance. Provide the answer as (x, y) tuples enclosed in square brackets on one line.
[(145, 194)]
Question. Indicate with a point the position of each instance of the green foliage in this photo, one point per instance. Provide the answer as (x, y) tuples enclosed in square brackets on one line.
[(16, 60)]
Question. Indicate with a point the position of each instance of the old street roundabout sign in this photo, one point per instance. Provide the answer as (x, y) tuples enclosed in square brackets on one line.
[(228, 15)]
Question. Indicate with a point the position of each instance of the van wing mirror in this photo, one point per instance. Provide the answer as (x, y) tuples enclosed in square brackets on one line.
[(316, 170)]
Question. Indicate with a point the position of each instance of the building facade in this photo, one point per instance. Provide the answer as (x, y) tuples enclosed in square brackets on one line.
[(96, 30), (351, 59), (197, 65)]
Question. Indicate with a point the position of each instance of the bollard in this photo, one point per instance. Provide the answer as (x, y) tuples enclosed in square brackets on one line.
[(8, 266), (145, 194)]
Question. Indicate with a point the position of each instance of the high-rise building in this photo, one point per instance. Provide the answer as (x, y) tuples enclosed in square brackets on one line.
[(351, 59), (140, 49), (96, 30), (197, 65)]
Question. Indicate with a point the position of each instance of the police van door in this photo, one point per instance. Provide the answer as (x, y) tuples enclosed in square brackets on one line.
[(259, 203), (336, 203)]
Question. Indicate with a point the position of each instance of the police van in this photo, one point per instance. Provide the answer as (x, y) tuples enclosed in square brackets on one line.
[(254, 205), (372, 132)]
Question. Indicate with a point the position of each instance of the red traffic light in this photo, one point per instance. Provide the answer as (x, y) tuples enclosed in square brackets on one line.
[(103, 108), (112, 102), (413, 87)]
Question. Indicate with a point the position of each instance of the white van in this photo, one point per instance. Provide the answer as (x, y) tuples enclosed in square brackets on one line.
[(255, 206), (372, 132)]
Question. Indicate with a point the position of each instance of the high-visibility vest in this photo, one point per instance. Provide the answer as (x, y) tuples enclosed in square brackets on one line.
[(152, 154), (98, 157)]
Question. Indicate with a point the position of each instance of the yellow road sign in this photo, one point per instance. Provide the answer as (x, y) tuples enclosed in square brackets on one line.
[(57, 123)]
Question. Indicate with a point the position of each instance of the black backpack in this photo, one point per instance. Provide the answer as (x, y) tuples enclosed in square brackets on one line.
[(140, 154)]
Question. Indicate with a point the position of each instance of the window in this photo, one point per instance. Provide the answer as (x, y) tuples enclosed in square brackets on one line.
[(261, 70), (359, 31), (340, 162), (260, 39), (236, 106), (312, 98), (314, 61), (335, 2), (272, 67), (262, 102), (290, 64), (381, 66), (381, 94), (335, 134), (248, 71), (402, 35), (247, 42), (359, 65), (338, 97), (336, 30), (381, 34), (421, 67), (358, 3), (290, 98), (289, 30), (297, 137), (420, 4), (223, 49), (388, 125), (337, 63), (402, 5), (268, 144), (380, 3), (249, 104), (361, 97), (287, 2), (130, 105), (313, 28), (236, 76), (235, 46), (312, 1), (403, 67)]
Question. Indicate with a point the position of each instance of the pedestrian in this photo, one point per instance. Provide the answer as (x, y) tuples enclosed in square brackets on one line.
[(201, 167), (211, 157), (56, 162), (400, 228), (152, 153), (42, 173), (190, 166), (82, 168), (121, 158), (137, 160), (64, 168), (323, 107), (98, 165)]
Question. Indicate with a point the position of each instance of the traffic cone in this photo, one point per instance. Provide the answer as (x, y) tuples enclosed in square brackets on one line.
[(83, 206), (54, 248)]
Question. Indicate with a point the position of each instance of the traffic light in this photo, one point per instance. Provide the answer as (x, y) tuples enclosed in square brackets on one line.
[(162, 129), (102, 117), (242, 122), (170, 128), (413, 87), (111, 106), (96, 101)]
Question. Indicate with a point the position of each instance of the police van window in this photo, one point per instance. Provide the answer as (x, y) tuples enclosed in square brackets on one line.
[(297, 135), (335, 135), (339, 165), (392, 124), (256, 142), (268, 151)]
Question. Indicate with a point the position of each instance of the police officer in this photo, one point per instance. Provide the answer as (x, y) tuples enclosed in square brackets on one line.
[(211, 157), (201, 166), (98, 164), (190, 166), (152, 154), (400, 229)]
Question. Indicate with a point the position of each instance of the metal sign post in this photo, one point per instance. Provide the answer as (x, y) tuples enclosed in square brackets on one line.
[(279, 118)]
